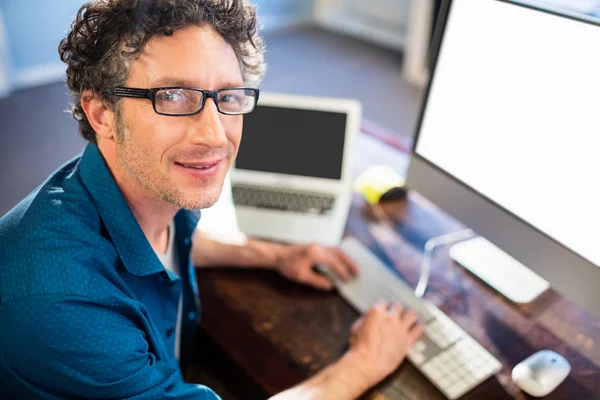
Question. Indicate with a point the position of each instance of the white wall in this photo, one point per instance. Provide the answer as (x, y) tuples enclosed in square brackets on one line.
[(418, 38), (277, 14), (34, 28), (4, 67), (384, 22)]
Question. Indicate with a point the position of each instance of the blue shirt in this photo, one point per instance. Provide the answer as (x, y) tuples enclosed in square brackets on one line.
[(87, 310)]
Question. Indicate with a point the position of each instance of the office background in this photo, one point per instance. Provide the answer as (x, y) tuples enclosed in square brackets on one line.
[(338, 48), (321, 48)]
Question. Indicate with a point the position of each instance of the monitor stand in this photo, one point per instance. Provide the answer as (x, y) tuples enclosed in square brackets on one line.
[(499, 270)]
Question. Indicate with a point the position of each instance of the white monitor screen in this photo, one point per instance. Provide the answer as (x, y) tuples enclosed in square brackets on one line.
[(513, 112)]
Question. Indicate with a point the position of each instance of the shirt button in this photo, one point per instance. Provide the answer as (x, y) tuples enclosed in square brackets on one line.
[(186, 240), (192, 316), (166, 278), (170, 332)]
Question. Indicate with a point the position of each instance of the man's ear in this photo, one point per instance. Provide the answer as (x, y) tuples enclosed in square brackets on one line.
[(100, 117)]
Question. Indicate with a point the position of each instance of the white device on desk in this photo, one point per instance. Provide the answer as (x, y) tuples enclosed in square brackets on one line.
[(540, 373), (450, 358), (292, 178), (501, 271)]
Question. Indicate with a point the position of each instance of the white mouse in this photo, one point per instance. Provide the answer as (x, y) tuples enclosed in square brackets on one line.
[(540, 373)]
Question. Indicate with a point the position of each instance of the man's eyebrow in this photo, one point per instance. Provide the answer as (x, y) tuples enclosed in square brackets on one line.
[(168, 81)]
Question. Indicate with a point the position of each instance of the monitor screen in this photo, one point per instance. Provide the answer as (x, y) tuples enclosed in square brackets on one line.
[(512, 113), (293, 141)]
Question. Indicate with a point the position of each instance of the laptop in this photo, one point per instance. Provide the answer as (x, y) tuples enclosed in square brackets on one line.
[(292, 179)]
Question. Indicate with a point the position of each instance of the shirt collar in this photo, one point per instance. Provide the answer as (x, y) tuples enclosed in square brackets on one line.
[(135, 251)]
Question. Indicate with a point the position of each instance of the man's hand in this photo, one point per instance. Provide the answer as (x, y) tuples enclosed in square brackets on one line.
[(296, 262), (380, 340)]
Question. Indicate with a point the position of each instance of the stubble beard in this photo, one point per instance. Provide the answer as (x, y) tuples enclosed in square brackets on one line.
[(130, 158)]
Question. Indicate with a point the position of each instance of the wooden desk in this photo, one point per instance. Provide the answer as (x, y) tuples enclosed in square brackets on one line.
[(280, 332)]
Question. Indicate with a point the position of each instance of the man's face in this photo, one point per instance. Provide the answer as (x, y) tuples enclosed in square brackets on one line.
[(182, 160)]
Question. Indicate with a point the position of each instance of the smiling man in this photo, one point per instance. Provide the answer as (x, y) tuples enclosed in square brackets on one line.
[(98, 296)]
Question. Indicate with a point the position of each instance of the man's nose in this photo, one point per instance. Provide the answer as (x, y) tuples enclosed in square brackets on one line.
[(209, 129)]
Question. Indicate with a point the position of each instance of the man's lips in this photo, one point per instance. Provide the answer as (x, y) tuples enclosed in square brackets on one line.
[(205, 164)]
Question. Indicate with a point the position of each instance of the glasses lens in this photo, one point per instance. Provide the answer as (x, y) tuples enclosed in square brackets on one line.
[(236, 101), (178, 101)]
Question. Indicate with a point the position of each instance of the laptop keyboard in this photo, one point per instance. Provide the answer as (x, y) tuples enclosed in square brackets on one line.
[(285, 200)]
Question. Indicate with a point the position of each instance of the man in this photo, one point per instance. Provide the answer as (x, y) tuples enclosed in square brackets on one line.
[(97, 284)]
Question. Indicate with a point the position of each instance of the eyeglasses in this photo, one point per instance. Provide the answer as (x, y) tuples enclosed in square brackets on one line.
[(180, 101)]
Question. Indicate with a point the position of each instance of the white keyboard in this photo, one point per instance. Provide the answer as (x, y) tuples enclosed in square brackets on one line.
[(451, 359)]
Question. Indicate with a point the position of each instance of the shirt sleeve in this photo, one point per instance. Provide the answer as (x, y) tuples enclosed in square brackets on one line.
[(75, 347)]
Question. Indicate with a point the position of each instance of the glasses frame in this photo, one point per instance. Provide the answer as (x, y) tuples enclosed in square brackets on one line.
[(150, 94)]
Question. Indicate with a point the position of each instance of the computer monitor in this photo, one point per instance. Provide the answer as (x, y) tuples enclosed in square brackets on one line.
[(508, 139)]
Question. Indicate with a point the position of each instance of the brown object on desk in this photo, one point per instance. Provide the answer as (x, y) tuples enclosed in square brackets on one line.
[(280, 332)]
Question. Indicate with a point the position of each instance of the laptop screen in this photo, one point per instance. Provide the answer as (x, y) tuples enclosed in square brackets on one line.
[(293, 141)]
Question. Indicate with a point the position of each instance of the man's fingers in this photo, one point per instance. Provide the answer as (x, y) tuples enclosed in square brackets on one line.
[(356, 325), (330, 257), (339, 267), (396, 309), (416, 331), (381, 305), (350, 264), (409, 318), (377, 308), (352, 340), (316, 280), (327, 257)]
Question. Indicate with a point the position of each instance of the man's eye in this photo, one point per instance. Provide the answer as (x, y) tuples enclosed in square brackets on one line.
[(169, 96), (230, 98)]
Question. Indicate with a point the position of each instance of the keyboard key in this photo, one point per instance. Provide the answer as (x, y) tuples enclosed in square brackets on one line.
[(445, 382), (416, 357), (456, 390), (420, 346), (431, 369)]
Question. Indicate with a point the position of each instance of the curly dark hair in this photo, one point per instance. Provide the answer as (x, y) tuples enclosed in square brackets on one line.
[(107, 34)]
